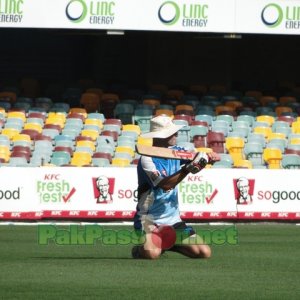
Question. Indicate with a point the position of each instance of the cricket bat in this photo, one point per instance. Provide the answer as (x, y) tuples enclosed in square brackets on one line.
[(164, 152)]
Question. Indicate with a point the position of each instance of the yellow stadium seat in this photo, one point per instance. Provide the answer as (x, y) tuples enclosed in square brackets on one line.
[(276, 135), (17, 114), (57, 115), (120, 162), (21, 137), (266, 131), (267, 119), (125, 149), (296, 127), (10, 132), (243, 163), (204, 149), (144, 141), (90, 133), (88, 144), (295, 141), (235, 147), (81, 159), (56, 119), (132, 127), (34, 126), (96, 122), (4, 152), (273, 157)]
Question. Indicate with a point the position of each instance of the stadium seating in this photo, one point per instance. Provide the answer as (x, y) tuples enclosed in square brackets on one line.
[(60, 158), (212, 120), (235, 147), (90, 101), (5, 152), (81, 158), (120, 162), (272, 157), (290, 161), (124, 112), (216, 141)]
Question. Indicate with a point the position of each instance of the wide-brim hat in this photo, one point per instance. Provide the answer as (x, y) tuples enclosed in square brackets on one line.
[(161, 127)]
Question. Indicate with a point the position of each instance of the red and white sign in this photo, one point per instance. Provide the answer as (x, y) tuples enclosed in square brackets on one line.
[(110, 193)]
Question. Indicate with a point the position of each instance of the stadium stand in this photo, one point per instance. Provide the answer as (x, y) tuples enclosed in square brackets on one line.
[(254, 128)]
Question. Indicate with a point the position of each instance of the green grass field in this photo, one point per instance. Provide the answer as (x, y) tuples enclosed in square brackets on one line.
[(264, 265)]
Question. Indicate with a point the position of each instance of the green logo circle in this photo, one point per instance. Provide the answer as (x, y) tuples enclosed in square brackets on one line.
[(83, 14), (174, 19), (275, 23)]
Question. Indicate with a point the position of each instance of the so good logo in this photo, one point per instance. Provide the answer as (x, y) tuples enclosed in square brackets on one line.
[(244, 193), (278, 196), (10, 194)]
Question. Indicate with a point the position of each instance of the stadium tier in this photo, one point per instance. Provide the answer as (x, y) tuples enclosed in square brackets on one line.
[(254, 129)]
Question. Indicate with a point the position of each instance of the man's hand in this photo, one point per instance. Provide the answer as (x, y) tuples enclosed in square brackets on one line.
[(213, 157), (201, 160), (198, 163)]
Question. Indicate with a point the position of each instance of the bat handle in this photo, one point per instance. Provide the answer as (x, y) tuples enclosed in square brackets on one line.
[(203, 162)]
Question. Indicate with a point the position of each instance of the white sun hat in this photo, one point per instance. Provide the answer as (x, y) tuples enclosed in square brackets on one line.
[(161, 127)]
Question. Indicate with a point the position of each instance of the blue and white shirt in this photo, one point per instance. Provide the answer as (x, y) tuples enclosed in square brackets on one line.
[(154, 203)]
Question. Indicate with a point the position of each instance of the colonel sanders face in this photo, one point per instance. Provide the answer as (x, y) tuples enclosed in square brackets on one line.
[(103, 186), (243, 187)]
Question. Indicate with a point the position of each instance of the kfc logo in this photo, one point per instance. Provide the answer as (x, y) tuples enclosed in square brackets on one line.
[(243, 190), (103, 189)]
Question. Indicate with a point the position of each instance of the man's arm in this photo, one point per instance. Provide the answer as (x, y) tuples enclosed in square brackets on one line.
[(164, 182), (193, 167), (171, 181)]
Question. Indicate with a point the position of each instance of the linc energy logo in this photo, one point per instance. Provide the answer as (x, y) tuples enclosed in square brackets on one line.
[(190, 15), (98, 12), (274, 15), (11, 11)]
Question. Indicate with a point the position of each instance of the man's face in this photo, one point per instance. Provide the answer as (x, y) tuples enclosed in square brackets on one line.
[(172, 139), (243, 189), (103, 186)]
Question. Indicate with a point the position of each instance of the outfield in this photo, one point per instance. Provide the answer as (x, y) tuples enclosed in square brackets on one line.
[(264, 265)]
